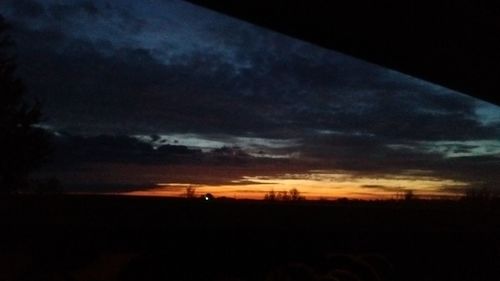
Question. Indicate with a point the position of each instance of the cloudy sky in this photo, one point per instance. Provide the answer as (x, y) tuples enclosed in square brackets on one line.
[(149, 97)]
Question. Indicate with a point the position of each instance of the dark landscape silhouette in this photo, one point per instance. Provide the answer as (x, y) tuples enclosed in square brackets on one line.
[(65, 237)]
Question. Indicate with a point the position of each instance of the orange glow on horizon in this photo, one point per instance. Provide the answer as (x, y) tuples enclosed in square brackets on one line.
[(314, 186)]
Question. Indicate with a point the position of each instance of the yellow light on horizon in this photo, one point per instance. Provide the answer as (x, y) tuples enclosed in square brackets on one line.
[(314, 186)]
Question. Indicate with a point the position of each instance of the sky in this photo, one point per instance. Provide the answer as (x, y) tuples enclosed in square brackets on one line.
[(149, 97)]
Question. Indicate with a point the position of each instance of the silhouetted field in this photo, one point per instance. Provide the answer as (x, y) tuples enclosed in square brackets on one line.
[(137, 238)]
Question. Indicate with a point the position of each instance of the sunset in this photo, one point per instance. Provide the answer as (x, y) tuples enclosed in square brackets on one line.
[(241, 141), (186, 95), (317, 185)]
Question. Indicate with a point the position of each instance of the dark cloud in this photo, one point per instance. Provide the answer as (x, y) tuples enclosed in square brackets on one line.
[(393, 189), (411, 117), (89, 8), (130, 86), (356, 156), (478, 169), (25, 8), (366, 154), (74, 17), (86, 86), (130, 23), (74, 150), (269, 86), (66, 12), (331, 91), (93, 187), (372, 186), (122, 163), (234, 81), (310, 67), (378, 157)]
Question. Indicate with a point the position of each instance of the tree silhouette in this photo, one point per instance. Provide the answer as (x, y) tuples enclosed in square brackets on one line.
[(292, 195), (190, 192), (283, 196), (409, 195), (23, 147), (295, 195), (270, 196)]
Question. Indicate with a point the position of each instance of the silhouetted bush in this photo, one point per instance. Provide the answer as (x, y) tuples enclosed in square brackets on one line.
[(208, 197)]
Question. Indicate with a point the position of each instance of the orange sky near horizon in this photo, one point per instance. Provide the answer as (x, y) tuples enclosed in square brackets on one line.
[(316, 186), (252, 182)]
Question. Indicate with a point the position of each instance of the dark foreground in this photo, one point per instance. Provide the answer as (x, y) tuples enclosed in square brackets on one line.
[(124, 238)]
